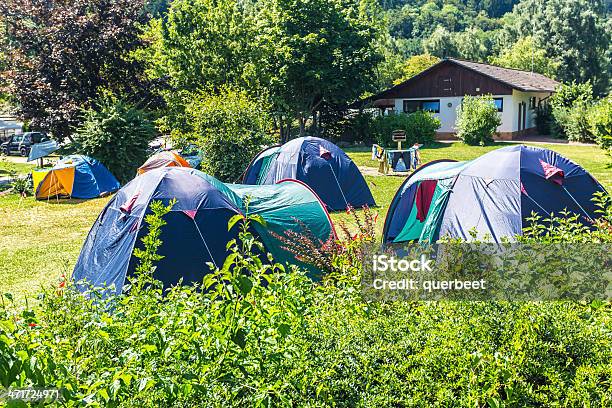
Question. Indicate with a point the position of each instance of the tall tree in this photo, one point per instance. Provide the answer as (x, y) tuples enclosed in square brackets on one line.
[(472, 44), (415, 65), (526, 55), (202, 44), (574, 33), (441, 44), (321, 51), (64, 53)]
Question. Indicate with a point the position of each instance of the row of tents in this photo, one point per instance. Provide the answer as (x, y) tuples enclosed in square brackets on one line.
[(318, 163), (304, 179)]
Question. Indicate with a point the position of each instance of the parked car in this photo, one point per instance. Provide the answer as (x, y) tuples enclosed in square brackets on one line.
[(21, 144)]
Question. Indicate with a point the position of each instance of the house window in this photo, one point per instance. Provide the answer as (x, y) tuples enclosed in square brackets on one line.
[(411, 106), (499, 104), (430, 105)]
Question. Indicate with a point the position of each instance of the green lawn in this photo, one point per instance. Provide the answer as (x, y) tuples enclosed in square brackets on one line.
[(8, 167), (41, 240)]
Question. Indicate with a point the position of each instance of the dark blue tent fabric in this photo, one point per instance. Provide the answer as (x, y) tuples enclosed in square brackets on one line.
[(320, 164), (196, 230), (195, 234), (495, 193)]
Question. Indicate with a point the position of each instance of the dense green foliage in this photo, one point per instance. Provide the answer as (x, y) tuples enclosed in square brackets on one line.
[(265, 335), (117, 134), (600, 123), (526, 55), (573, 33), (202, 43), (573, 113), (566, 38), (230, 128), (303, 56), (319, 52), (415, 65), (420, 128), (477, 120), (63, 54)]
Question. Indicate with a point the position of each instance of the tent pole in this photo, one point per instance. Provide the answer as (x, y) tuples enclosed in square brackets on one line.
[(536, 203), (204, 241), (338, 183), (574, 200)]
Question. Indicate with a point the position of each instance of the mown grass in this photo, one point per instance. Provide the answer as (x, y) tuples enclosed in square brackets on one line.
[(40, 240)]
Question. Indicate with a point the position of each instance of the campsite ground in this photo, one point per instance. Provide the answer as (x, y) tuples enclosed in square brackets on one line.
[(41, 240)]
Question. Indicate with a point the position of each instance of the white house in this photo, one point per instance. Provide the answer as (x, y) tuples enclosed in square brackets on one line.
[(441, 88)]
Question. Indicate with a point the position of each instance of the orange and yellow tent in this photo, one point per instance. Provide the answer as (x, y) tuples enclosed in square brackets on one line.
[(163, 159)]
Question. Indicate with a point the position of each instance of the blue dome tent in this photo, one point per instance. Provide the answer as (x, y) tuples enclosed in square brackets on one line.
[(74, 176), (493, 194), (320, 164), (196, 231)]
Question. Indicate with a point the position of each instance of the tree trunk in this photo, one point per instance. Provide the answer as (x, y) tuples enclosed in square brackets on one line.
[(302, 125), (315, 123), (280, 127), (288, 133)]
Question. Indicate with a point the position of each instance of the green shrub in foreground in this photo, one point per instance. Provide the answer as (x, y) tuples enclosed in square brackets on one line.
[(262, 334), (477, 120)]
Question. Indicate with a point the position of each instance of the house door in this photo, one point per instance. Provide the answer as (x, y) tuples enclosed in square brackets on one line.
[(522, 115)]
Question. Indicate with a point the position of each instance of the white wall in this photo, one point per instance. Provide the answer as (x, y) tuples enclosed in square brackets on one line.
[(518, 97), (509, 115), (448, 114)]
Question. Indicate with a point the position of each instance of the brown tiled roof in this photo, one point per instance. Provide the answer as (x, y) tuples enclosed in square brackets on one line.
[(521, 80)]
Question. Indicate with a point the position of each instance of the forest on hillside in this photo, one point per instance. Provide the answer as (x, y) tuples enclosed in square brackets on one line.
[(569, 40)]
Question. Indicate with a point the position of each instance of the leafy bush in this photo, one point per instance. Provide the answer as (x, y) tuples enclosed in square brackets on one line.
[(231, 128), (335, 256), (420, 127), (342, 126), (600, 123), (567, 94), (257, 333), (117, 134), (569, 108), (576, 122), (22, 186), (477, 120)]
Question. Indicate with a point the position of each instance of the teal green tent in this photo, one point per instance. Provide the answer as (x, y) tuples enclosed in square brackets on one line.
[(196, 232)]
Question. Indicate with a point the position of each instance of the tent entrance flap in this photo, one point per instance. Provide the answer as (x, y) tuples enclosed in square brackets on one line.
[(265, 167), (414, 226), (431, 230), (415, 229), (56, 183)]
